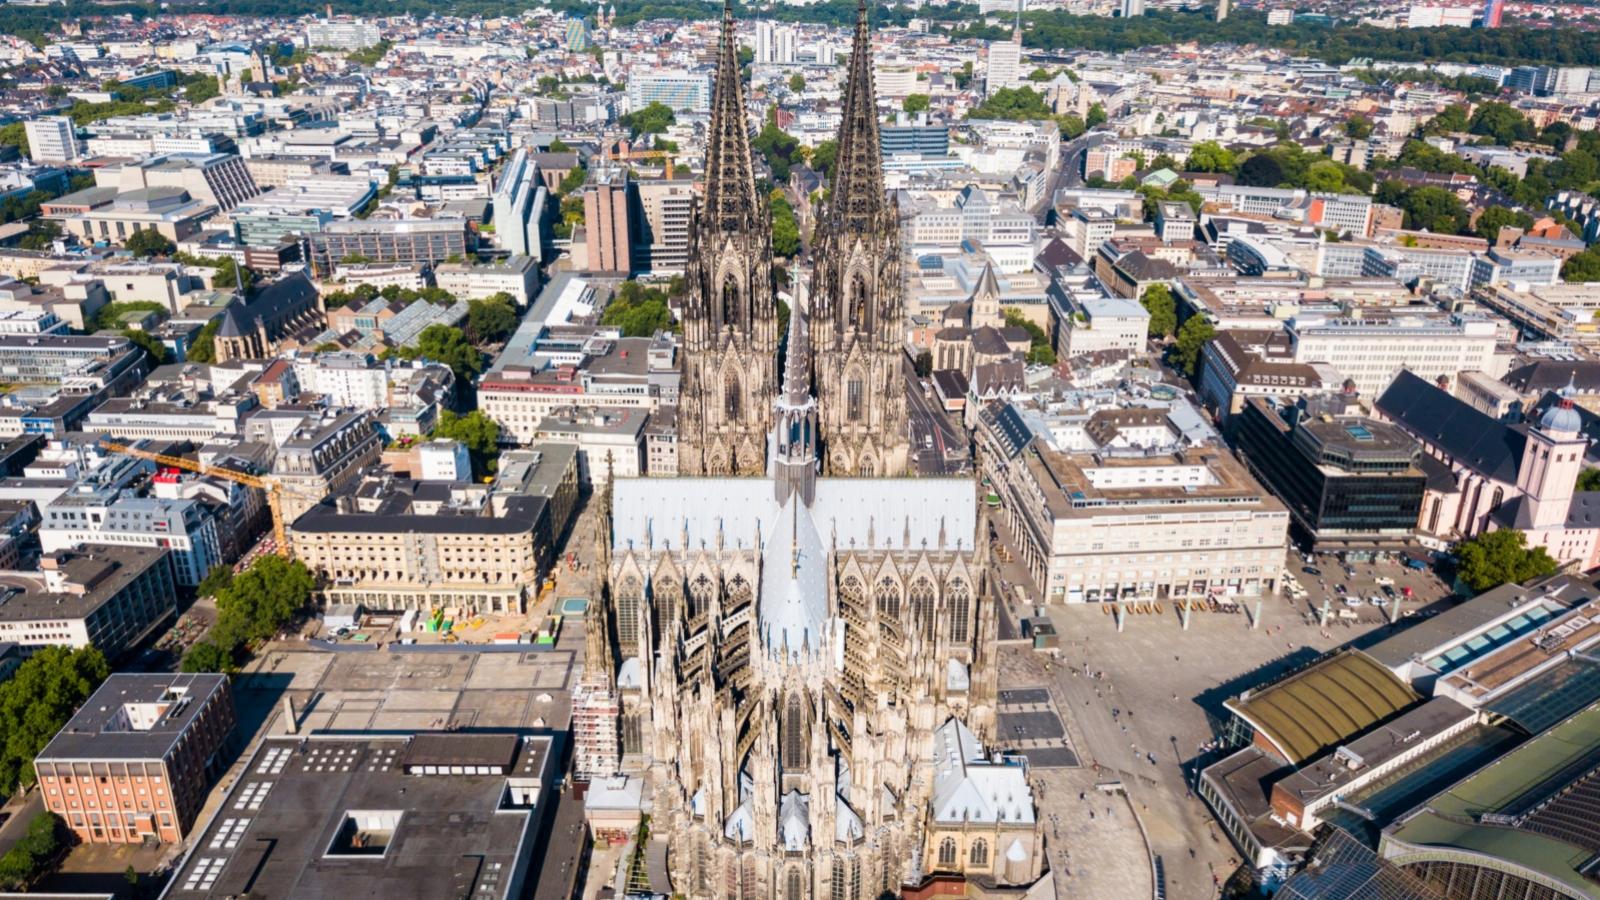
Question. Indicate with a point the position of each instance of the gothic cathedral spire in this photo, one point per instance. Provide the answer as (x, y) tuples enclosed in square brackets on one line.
[(858, 294), (730, 327)]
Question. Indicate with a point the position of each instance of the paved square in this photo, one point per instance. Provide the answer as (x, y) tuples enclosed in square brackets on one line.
[(1030, 726)]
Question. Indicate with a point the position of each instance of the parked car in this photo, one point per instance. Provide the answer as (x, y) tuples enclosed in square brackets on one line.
[(1417, 564), (1377, 601), (1313, 571), (1340, 589), (1351, 601), (1388, 591), (1383, 581)]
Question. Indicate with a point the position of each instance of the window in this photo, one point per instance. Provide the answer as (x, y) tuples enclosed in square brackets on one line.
[(922, 601), (731, 393), (959, 600), (888, 595), (853, 400), (794, 734), (730, 302), (947, 852), (980, 853)]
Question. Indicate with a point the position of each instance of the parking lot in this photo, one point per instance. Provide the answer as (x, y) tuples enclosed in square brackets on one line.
[(1369, 579)]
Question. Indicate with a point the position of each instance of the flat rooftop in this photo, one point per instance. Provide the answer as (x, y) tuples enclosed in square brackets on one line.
[(1430, 637), (339, 817), (101, 571), (1376, 748), (133, 716)]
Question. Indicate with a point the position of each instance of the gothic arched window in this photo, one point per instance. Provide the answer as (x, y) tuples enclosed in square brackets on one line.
[(980, 853), (888, 595), (628, 597), (730, 302), (738, 593), (959, 599), (796, 887), (701, 590), (947, 852), (854, 398), (794, 734), (731, 395), (922, 606)]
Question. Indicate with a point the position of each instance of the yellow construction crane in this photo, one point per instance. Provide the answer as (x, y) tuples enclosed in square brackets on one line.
[(629, 156), (273, 489)]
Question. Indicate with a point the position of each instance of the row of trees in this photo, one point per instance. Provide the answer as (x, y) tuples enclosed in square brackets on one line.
[(37, 700), (27, 860), (252, 607)]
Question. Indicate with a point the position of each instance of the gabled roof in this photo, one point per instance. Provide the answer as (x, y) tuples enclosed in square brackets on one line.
[(1432, 416)]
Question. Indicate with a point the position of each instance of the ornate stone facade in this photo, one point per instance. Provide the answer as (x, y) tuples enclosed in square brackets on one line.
[(730, 325), (803, 666), (858, 294)]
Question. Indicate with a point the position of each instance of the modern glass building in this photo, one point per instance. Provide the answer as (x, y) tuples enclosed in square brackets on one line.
[(1352, 484)]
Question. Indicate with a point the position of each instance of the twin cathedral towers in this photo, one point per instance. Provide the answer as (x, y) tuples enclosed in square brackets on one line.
[(854, 314)]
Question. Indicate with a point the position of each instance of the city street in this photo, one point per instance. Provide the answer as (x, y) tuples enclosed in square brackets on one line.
[(938, 445)]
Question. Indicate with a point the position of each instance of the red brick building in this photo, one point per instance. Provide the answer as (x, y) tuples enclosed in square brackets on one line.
[(135, 763)]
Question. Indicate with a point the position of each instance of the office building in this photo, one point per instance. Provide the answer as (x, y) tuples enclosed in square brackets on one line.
[(1371, 350), (169, 211), (774, 43), (97, 595), (429, 241), (342, 34), (134, 764), (52, 139), (1132, 8), (1131, 507), (665, 208), (320, 454), (516, 276), (520, 207), (1353, 484), (407, 815), (1005, 66), (680, 90), (609, 217), (186, 528)]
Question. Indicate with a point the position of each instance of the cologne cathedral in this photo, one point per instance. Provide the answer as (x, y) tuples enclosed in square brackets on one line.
[(800, 646)]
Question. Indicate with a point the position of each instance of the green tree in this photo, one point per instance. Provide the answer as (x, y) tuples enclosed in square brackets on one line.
[(1192, 338), (559, 146), (637, 310), (158, 352), (204, 349), (492, 318), (785, 228), (915, 103), (15, 135), (923, 364), (260, 601), (1261, 170), (1584, 266), (449, 346), (824, 155), (797, 82), (655, 118), (26, 860), (217, 579), (1040, 75), (1096, 116), (1325, 177), (1210, 156), (148, 242), (777, 145), (39, 698), (1500, 557), (110, 316), (1015, 104), (206, 656), (1502, 122), (1435, 209), (1588, 480), (477, 432), (1039, 350), (1494, 218), (1157, 301), (1071, 125), (1358, 127)]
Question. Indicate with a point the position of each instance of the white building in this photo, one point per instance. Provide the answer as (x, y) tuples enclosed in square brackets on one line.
[(445, 460), (774, 43), (1372, 351), (1091, 323), (681, 90), (1005, 66), (52, 139), (519, 203), (185, 527), (342, 35)]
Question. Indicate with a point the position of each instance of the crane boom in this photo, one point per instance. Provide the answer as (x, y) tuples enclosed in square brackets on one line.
[(273, 489)]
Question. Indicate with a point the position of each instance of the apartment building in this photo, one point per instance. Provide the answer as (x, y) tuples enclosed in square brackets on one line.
[(516, 275), (134, 764), (97, 595), (52, 139), (681, 90)]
